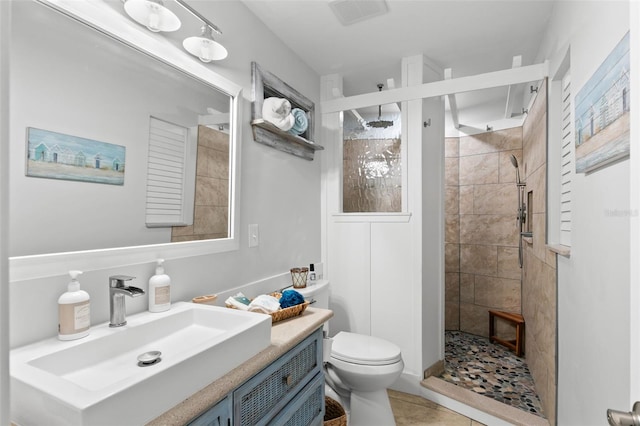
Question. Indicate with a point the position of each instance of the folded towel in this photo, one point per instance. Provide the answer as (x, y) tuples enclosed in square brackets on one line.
[(278, 112), (231, 301), (265, 304), (301, 122)]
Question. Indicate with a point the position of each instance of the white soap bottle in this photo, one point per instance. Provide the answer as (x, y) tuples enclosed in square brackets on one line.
[(74, 313), (159, 289)]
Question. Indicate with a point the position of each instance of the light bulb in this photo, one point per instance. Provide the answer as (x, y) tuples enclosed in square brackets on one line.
[(154, 18), (205, 51)]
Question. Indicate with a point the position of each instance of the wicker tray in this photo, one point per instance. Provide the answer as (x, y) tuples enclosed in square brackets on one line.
[(283, 314)]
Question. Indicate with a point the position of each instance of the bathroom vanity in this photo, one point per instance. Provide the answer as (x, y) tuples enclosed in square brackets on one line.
[(283, 384)]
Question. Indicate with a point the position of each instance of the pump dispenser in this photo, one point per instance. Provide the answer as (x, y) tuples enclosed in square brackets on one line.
[(159, 289), (74, 314)]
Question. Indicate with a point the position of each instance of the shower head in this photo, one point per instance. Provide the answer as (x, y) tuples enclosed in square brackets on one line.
[(514, 161), (380, 123)]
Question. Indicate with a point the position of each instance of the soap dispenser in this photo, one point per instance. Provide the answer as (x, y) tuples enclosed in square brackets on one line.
[(159, 289), (74, 314)]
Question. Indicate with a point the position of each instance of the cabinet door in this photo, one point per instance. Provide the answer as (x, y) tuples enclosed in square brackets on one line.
[(307, 408), (218, 415), (267, 393)]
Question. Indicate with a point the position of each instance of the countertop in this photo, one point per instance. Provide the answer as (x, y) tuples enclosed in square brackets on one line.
[(284, 336)]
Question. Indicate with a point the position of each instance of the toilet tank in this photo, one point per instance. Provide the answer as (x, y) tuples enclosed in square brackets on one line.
[(318, 292)]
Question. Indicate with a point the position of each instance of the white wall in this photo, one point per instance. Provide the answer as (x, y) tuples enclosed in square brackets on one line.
[(593, 284), (280, 193), (5, 11)]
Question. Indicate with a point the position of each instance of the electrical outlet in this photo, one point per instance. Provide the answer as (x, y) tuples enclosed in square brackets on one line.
[(254, 235)]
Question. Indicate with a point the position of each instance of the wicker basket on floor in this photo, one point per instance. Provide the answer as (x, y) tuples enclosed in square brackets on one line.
[(334, 414)]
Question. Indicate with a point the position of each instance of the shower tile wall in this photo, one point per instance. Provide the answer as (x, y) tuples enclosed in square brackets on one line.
[(211, 209), (481, 250), (539, 278)]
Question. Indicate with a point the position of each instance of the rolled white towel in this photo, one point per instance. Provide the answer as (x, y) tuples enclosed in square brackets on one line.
[(278, 112)]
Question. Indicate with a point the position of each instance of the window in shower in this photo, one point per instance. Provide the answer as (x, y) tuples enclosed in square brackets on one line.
[(372, 166)]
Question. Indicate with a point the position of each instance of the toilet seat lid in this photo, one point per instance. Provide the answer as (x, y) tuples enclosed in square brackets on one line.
[(365, 350)]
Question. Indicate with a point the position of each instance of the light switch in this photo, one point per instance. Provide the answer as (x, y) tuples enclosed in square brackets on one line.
[(254, 235)]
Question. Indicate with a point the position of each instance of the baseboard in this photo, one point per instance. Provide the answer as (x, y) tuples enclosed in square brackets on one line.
[(434, 370), (408, 383)]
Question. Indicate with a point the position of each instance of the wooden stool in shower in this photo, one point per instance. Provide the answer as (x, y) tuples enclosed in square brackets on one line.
[(516, 345)]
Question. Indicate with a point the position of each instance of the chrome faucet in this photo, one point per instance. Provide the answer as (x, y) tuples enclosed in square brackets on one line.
[(117, 292)]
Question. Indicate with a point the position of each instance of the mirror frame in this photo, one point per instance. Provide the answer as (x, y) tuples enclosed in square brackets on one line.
[(99, 16)]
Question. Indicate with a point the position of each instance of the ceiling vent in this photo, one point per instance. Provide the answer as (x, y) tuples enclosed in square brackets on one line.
[(352, 11)]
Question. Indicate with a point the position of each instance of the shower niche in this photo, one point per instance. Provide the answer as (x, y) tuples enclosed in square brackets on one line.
[(266, 85)]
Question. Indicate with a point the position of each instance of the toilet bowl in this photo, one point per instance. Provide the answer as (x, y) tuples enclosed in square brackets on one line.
[(358, 369)]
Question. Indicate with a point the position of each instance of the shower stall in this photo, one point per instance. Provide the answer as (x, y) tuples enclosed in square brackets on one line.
[(495, 241)]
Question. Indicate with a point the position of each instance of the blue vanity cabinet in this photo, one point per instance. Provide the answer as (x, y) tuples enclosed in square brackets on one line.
[(290, 391), (218, 415)]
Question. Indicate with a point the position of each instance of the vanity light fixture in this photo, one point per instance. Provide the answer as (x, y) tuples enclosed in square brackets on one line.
[(156, 17), (205, 47), (152, 14)]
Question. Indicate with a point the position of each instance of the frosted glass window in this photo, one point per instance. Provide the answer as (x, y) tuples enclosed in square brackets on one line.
[(372, 166)]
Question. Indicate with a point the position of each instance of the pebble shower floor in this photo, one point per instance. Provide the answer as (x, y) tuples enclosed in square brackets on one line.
[(490, 370)]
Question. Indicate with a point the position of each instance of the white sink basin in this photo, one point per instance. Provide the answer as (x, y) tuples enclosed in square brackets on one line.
[(97, 380)]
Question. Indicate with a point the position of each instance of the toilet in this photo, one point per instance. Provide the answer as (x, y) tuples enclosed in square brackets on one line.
[(358, 368)]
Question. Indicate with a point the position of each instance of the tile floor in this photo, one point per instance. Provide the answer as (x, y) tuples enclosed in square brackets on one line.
[(490, 370), (412, 410)]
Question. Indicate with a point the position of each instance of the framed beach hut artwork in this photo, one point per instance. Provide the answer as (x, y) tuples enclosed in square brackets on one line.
[(602, 113), (58, 156)]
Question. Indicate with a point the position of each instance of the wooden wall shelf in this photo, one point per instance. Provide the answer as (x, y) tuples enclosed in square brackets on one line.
[(265, 85), (268, 134)]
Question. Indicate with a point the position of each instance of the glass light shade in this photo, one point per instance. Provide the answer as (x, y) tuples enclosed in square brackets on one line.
[(152, 14), (204, 48)]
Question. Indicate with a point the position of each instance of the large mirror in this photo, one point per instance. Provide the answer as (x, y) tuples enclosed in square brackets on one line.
[(72, 84)]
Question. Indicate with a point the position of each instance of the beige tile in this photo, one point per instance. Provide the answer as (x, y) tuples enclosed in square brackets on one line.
[(214, 139), (466, 199), (499, 140), (479, 169), (452, 229), (452, 258), (181, 231), (474, 319), (539, 236), (467, 288), (452, 200), (534, 150), (508, 265), (499, 293), (211, 191), (451, 171), (452, 287), (488, 229), (210, 220), (537, 110), (507, 170), (412, 414), (212, 163), (451, 147), (537, 183), (451, 316), (495, 199), (478, 259)]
